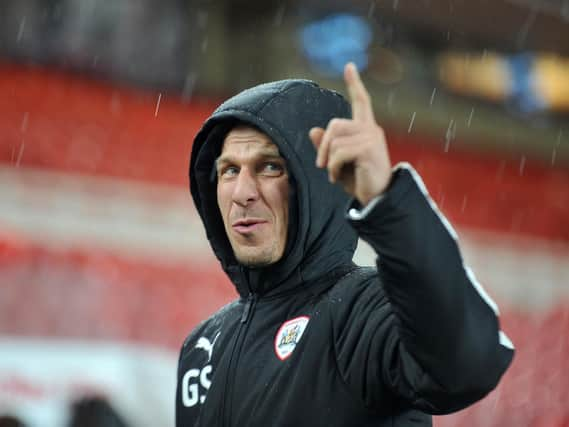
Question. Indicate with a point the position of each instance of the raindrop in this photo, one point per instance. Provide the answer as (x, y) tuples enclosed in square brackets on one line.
[(441, 201), (412, 121), (448, 35), (189, 86), (565, 10), (395, 4), (450, 133), (19, 159), (469, 121), (204, 44), (464, 203), (522, 165), (277, 22), (158, 105), (433, 96), (522, 35), (21, 29), (24, 125), (371, 9)]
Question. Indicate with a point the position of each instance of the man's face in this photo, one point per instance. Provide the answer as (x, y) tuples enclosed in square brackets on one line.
[(252, 194)]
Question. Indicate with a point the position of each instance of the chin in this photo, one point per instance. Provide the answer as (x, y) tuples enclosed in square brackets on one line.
[(259, 259), (254, 262)]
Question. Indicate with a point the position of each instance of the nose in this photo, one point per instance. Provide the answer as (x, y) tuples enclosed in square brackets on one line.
[(246, 190)]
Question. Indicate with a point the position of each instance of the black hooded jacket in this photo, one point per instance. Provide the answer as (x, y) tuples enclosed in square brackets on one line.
[(314, 340)]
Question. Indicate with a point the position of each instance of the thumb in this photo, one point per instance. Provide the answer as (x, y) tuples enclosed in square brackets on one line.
[(316, 135)]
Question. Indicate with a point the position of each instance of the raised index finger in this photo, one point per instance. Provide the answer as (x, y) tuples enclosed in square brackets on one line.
[(359, 96)]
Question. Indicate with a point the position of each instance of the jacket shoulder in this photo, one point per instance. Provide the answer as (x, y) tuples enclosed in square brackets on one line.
[(355, 277), (358, 294), (212, 323)]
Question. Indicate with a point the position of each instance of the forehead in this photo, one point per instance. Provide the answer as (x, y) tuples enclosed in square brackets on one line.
[(249, 139)]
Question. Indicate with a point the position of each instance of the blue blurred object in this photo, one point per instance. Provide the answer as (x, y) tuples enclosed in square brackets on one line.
[(331, 42), (523, 95)]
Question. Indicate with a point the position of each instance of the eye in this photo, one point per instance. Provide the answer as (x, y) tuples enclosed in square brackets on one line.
[(273, 169), (228, 171)]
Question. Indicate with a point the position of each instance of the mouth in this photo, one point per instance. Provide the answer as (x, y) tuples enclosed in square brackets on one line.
[(248, 225)]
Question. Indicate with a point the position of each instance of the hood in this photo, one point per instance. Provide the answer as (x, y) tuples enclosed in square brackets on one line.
[(319, 237)]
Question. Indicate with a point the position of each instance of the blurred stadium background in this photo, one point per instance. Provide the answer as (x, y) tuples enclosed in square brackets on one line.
[(104, 267)]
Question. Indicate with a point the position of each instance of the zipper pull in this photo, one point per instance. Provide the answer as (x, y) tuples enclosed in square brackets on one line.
[(247, 309)]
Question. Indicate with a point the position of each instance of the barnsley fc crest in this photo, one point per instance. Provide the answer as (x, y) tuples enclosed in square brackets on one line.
[(289, 335)]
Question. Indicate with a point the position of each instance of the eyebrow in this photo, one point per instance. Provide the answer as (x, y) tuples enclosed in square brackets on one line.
[(263, 155)]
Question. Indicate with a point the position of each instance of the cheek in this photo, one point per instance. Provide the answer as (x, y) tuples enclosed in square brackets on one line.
[(222, 200), (282, 200)]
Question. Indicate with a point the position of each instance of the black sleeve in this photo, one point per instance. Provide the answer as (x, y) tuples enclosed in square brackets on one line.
[(429, 335)]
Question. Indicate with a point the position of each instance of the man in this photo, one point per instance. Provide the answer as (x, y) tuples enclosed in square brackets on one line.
[(314, 340)]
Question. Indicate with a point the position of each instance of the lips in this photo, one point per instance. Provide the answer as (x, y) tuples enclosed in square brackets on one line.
[(248, 225)]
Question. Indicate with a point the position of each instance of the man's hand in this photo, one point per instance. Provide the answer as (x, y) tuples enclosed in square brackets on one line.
[(354, 150)]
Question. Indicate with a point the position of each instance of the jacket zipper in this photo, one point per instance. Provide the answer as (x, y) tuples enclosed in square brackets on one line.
[(247, 310), (227, 405)]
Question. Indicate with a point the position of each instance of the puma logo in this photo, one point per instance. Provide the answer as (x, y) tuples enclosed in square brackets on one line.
[(206, 345)]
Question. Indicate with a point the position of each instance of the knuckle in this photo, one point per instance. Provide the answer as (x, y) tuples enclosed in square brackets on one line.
[(335, 125)]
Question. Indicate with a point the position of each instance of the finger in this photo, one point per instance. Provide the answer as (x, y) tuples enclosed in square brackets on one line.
[(340, 127), (359, 96), (340, 157), (336, 129), (316, 135), (324, 148)]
